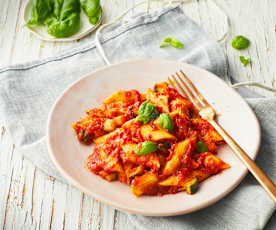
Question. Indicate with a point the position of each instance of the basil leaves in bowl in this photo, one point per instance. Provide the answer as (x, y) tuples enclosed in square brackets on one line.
[(62, 20)]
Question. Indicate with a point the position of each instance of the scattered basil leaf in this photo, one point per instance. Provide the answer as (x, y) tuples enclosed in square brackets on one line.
[(147, 148), (240, 42), (92, 9), (147, 112), (66, 18), (166, 122), (171, 42), (41, 10), (201, 147), (245, 61)]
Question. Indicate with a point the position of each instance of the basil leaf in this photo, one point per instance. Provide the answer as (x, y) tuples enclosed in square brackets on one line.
[(201, 147), (147, 112), (66, 18), (41, 10), (171, 42), (92, 9), (147, 148), (240, 42), (166, 122), (245, 61)]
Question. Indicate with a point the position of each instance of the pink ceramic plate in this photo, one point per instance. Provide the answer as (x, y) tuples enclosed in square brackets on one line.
[(69, 155)]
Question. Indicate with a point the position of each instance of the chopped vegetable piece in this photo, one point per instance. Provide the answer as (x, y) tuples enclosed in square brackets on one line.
[(147, 148), (171, 42), (201, 147), (192, 186), (147, 112), (166, 122), (240, 42), (245, 61)]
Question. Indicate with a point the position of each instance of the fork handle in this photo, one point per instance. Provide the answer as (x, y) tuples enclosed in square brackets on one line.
[(258, 173)]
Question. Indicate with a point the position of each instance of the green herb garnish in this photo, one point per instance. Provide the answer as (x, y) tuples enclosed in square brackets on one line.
[(66, 18), (245, 61), (201, 147), (92, 9), (166, 122), (41, 10), (147, 112), (171, 42), (62, 17), (240, 42), (147, 148)]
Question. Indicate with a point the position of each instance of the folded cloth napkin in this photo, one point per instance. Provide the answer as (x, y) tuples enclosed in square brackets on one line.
[(27, 92)]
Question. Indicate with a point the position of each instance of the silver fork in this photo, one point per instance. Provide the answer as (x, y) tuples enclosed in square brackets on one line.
[(207, 112)]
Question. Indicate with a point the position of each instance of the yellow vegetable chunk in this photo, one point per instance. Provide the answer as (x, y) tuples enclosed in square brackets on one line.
[(181, 106), (157, 123), (149, 160), (200, 175), (119, 121), (132, 171), (211, 134), (111, 162), (129, 148), (109, 125), (192, 186), (161, 87), (158, 100), (179, 151), (102, 139), (212, 160), (141, 184), (109, 177), (119, 95), (149, 133), (170, 181)]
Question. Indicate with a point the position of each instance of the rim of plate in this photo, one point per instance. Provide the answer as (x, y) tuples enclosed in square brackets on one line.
[(115, 205)]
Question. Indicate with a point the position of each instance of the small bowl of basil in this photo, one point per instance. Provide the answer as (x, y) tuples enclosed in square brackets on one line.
[(62, 20)]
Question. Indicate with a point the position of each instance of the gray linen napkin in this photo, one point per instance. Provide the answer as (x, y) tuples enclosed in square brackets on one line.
[(27, 92)]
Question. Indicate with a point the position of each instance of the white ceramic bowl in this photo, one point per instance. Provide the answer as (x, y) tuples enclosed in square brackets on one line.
[(69, 155)]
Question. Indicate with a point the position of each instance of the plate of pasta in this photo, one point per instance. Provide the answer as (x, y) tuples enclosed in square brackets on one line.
[(125, 137)]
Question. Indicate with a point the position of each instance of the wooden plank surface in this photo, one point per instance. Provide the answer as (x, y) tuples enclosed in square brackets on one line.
[(31, 200)]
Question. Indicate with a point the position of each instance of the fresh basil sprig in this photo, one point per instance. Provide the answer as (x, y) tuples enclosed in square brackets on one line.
[(62, 17), (92, 9), (147, 112), (171, 42), (41, 10), (66, 18), (147, 148), (166, 122)]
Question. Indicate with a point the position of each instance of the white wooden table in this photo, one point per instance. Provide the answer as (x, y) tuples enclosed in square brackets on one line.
[(31, 200)]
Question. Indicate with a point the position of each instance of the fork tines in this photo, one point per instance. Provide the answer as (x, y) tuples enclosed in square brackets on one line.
[(188, 89)]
